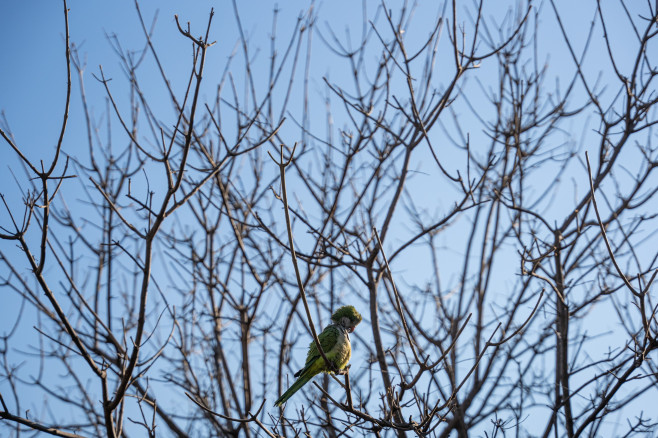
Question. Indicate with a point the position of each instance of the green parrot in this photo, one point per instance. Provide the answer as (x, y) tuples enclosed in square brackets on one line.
[(335, 342)]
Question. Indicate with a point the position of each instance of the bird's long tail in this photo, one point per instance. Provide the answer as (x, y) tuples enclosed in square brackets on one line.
[(301, 381)]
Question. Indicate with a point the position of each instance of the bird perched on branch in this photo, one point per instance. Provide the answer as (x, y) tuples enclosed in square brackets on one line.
[(335, 342)]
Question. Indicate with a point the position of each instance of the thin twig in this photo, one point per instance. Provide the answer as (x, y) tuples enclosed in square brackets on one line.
[(282, 170)]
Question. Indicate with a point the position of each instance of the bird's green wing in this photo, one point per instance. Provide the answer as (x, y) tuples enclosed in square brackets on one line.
[(328, 339)]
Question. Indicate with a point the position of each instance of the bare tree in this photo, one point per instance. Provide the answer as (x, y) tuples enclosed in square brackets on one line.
[(489, 209)]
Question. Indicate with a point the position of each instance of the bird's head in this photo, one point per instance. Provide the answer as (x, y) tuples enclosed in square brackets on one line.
[(347, 317)]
